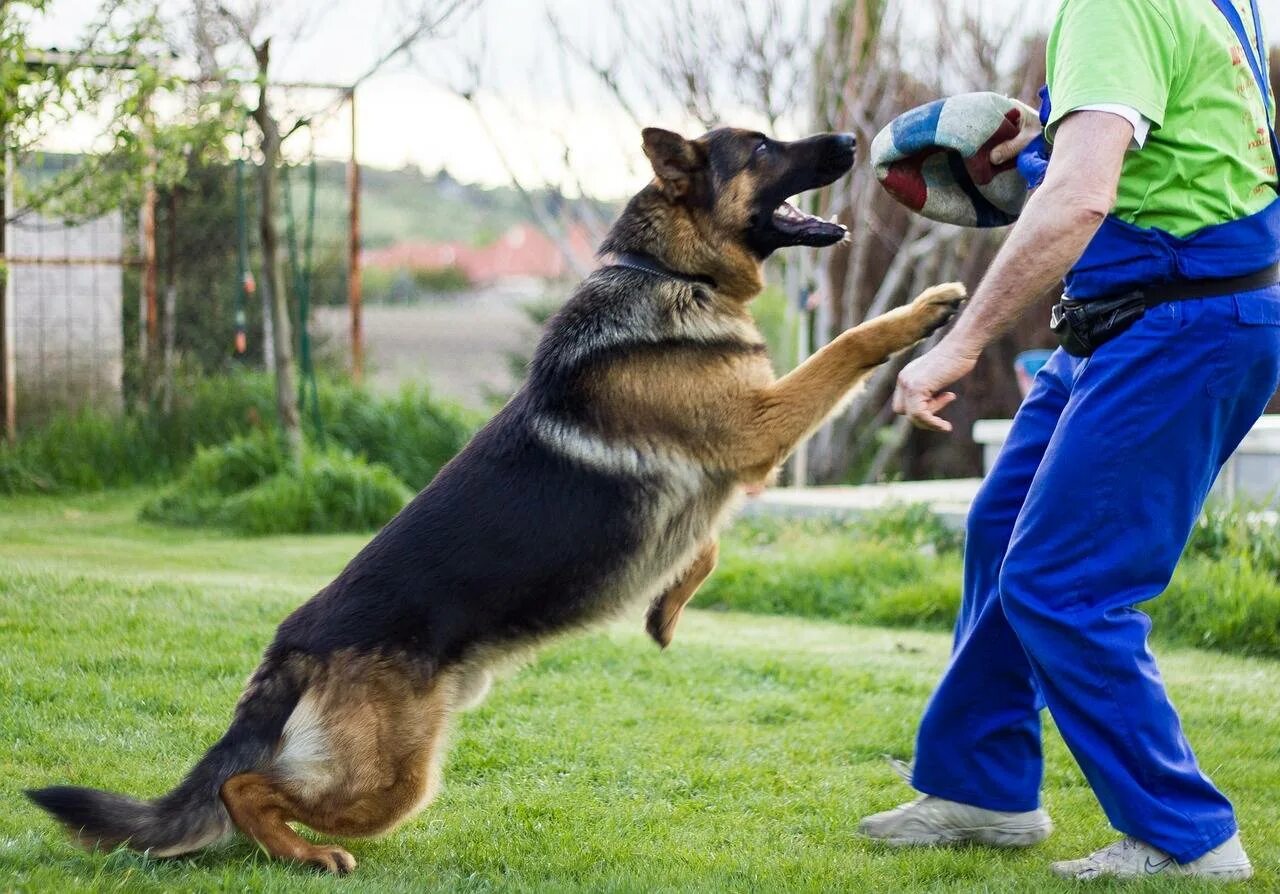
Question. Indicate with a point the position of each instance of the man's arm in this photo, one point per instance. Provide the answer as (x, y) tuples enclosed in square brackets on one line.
[(1056, 226)]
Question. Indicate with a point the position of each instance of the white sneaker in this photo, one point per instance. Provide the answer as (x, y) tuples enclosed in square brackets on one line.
[(929, 821), (1130, 858)]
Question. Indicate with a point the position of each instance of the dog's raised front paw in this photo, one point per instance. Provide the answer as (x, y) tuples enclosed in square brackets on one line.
[(936, 307)]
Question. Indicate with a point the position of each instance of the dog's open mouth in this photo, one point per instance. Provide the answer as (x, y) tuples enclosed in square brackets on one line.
[(799, 228)]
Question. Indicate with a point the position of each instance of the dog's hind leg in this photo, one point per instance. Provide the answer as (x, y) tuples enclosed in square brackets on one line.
[(360, 753), (262, 809), (664, 613)]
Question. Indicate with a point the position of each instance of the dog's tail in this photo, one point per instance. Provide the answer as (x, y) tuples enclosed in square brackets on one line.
[(192, 816)]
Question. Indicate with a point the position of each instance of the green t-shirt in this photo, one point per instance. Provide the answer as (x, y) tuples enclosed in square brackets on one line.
[(1208, 158)]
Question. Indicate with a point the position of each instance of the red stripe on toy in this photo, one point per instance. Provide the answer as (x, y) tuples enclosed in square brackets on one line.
[(979, 165), (905, 180)]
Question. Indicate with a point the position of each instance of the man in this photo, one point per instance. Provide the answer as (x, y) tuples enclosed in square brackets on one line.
[(1161, 179)]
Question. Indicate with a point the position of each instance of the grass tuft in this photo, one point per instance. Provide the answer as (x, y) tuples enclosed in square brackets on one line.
[(331, 492), (903, 568), (247, 486)]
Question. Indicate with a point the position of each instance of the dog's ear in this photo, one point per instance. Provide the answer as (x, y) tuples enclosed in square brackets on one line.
[(675, 160)]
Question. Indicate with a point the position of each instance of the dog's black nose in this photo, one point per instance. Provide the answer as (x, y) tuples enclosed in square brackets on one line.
[(847, 140)]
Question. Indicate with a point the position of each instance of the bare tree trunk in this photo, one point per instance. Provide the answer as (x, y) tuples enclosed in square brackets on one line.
[(274, 294), (278, 343), (8, 389), (171, 308)]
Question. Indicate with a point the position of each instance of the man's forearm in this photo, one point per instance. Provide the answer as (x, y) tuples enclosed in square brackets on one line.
[(1052, 234), (1055, 228)]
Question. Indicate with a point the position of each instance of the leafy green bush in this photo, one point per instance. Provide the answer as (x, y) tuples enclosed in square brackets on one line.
[(902, 568), (1241, 531), (898, 569), (411, 432), (332, 491), (248, 486)]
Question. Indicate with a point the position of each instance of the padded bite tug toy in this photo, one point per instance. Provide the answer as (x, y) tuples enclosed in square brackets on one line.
[(936, 160)]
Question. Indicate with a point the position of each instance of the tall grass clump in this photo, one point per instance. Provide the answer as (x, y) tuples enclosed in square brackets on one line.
[(1231, 605), (216, 474), (1226, 593), (896, 568), (1240, 531), (331, 491), (411, 432), (248, 486), (902, 568)]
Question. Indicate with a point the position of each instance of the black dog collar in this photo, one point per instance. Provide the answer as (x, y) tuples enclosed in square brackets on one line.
[(650, 264)]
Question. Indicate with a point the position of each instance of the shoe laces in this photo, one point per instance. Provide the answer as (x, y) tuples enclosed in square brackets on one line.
[(1119, 848)]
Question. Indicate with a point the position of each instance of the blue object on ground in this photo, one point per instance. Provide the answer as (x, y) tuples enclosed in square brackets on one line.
[(1031, 362)]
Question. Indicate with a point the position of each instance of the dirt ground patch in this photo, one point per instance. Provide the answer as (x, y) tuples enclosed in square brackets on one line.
[(460, 346)]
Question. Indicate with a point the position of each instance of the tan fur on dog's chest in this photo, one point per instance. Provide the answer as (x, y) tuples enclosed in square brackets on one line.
[(695, 401)]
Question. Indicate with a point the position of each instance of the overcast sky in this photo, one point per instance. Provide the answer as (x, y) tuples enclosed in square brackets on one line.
[(407, 117)]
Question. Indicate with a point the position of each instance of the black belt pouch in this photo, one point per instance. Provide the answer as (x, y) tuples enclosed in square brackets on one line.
[(1084, 326)]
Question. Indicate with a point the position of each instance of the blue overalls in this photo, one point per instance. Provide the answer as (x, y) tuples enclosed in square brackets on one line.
[(1084, 516)]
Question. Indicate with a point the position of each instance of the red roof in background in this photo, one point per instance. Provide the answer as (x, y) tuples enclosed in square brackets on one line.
[(523, 251)]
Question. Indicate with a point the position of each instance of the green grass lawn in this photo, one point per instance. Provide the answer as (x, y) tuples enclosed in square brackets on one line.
[(740, 759)]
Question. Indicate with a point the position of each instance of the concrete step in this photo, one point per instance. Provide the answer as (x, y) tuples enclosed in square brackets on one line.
[(949, 499)]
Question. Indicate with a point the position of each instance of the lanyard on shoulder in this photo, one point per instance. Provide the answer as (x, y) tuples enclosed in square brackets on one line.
[(1255, 54)]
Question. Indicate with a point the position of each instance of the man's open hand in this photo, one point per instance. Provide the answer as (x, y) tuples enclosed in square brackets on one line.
[(921, 393)]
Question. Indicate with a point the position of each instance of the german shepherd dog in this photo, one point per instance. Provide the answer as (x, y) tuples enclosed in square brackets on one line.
[(649, 403)]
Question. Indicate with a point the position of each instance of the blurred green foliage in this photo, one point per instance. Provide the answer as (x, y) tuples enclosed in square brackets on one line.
[(412, 433)]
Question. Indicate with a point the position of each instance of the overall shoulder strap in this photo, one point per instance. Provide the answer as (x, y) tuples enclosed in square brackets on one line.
[(1256, 54)]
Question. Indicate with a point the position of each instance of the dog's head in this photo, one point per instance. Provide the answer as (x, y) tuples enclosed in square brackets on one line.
[(736, 184)]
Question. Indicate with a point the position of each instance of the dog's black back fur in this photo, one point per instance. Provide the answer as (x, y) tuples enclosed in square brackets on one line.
[(476, 556), (512, 540)]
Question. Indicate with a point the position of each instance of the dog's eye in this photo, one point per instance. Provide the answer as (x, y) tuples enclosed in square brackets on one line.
[(763, 147)]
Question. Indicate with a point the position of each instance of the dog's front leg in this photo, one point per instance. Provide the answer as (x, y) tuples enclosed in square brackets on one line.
[(665, 611), (790, 409)]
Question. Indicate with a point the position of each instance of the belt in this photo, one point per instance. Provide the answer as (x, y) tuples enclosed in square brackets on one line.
[(1191, 289), (1084, 326)]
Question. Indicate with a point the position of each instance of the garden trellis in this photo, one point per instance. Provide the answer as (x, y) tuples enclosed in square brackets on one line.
[(301, 263), (133, 267), (63, 328)]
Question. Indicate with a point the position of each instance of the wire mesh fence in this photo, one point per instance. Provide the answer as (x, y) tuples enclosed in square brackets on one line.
[(87, 328), (66, 304)]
